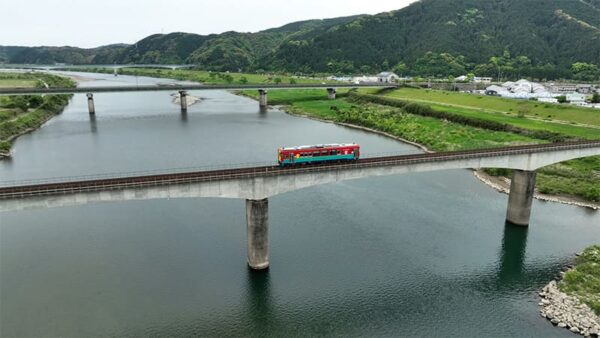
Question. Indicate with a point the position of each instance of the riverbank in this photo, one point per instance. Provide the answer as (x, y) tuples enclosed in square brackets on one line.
[(429, 134), (573, 302), (499, 183), (23, 114)]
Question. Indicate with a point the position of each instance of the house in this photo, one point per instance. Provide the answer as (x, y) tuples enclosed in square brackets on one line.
[(387, 77), (585, 89), (547, 99), (365, 79), (487, 80), (576, 98)]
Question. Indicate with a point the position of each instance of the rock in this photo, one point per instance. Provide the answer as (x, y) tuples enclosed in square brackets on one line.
[(561, 324), (574, 329)]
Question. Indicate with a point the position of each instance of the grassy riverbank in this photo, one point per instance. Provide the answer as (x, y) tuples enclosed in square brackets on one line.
[(500, 107), (579, 178), (20, 114), (208, 77), (583, 281)]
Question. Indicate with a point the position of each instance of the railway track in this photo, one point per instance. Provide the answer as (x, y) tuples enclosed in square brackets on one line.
[(108, 184)]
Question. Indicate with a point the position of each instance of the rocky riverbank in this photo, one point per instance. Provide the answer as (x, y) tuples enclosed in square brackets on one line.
[(568, 312)]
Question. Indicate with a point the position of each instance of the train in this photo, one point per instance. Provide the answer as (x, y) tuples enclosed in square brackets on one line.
[(289, 156)]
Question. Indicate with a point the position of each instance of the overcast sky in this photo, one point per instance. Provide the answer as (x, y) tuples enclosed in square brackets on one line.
[(92, 23)]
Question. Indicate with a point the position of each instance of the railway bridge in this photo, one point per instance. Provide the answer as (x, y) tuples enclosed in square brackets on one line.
[(257, 184)]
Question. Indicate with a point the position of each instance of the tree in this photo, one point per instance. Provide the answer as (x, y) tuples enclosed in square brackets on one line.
[(292, 81), (277, 80), (561, 99), (585, 71), (596, 97), (243, 80), (365, 69), (385, 65), (228, 78), (400, 68)]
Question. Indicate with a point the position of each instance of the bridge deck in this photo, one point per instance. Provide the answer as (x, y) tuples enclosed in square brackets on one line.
[(107, 184), (150, 88)]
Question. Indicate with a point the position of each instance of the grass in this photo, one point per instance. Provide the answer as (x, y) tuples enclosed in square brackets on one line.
[(490, 104), (561, 128), (583, 281), (7, 83), (433, 133), (19, 114)]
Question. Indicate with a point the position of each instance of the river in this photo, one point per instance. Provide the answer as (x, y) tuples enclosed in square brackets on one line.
[(423, 254)]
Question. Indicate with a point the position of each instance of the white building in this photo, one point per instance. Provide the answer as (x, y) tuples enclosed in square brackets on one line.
[(387, 77), (548, 100), (576, 98), (482, 79), (365, 79)]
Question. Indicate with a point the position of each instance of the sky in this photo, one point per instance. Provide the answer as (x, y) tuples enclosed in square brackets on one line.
[(92, 23)]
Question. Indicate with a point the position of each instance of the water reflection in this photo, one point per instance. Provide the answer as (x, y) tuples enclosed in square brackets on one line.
[(263, 111), (512, 257), (93, 124), (184, 117), (259, 305)]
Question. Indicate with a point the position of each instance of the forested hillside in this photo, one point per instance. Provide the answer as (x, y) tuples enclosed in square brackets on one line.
[(500, 38)]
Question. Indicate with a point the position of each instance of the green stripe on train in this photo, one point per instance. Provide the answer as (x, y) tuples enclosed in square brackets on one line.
[(320, 158)]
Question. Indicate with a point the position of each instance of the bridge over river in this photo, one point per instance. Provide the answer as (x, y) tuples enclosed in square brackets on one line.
[(257, 184), (183, 88)]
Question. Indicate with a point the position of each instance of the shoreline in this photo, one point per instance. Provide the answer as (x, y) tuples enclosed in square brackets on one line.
[(498, 183), (27, 131), (566, 311)]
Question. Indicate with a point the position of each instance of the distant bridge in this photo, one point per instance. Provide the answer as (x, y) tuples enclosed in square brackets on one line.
[(257, 184), (184, 87), (76, 67)]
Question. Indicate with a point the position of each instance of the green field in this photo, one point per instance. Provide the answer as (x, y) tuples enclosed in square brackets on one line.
[(7, 83), (433, 133), (490, 104)]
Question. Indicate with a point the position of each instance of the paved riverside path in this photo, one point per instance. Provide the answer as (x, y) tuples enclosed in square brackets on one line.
[(176, 87), (266, 181)]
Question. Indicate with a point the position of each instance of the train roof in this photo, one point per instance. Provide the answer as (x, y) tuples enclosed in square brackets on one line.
[(318, 146)]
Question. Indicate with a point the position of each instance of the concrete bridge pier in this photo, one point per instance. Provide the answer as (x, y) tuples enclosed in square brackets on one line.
[(262, 100), (183, 100), (520, 198), (90, 99), (257, 219), (331, 93)]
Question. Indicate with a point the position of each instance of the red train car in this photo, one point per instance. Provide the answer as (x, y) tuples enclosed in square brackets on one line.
[(318, 153)]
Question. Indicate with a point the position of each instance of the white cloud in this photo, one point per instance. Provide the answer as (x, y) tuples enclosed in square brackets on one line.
[(90, 23)]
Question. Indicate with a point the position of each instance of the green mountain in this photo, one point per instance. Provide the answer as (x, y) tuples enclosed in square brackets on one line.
[(500, 38), (558, 32)]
